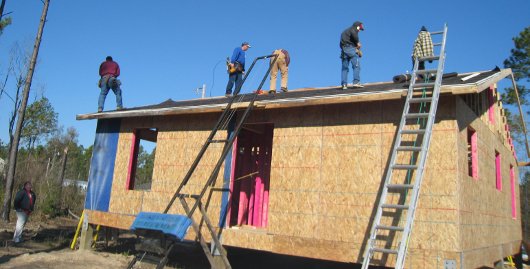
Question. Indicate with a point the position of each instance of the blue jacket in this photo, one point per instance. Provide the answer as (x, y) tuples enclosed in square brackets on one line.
[(238, 56)]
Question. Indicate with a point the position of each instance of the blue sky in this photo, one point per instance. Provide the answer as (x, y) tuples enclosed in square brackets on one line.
[(166, 49)]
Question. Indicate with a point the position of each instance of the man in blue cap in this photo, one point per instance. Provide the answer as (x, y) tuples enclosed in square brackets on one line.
[(237, 63)]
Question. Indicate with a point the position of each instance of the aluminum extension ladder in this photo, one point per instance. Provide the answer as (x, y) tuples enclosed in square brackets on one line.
[(405, 171), (227, 118)]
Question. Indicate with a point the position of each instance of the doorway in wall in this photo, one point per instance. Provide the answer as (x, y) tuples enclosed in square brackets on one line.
[(251, 179)]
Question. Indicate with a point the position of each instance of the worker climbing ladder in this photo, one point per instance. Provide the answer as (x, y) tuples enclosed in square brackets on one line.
[(399, 196), (216, 254)]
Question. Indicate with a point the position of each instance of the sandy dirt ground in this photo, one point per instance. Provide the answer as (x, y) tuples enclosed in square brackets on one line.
[(47, 245)]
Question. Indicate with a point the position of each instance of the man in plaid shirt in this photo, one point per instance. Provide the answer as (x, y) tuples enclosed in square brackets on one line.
[(422, 47)]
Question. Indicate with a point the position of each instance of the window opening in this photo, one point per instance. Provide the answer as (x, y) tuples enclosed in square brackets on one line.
[(472, 153), (141, 162)]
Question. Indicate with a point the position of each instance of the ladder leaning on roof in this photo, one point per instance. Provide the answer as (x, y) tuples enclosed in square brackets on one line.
[(400, 193), (225, 120)]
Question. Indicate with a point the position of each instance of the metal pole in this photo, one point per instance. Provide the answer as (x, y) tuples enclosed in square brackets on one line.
[(203, 90)]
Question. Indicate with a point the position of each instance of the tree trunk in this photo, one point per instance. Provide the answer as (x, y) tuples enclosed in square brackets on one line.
[(2, 9), (14, 146), (61, 175)]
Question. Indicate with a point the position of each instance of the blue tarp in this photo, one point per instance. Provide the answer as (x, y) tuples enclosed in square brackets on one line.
[(102, 165), (174, 225)]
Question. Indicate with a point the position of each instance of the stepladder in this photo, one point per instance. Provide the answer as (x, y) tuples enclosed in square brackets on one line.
[(398, 199)]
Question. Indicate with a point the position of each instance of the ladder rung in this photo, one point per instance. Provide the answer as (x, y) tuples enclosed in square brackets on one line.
[(420, 100), (437, 33), (424, 85), (408, 148), (395, 206), (400, 186), (416, 115), (428, 58), (391, 228), (420, 131), (385, 250), (404, 166), (218, 141), (431, 71), (437, 44)]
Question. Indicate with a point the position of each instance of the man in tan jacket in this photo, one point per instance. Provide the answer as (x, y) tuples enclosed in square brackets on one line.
[(282, 63)]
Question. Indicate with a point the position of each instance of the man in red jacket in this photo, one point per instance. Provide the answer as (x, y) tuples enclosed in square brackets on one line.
[(109, 71), (24, 204)]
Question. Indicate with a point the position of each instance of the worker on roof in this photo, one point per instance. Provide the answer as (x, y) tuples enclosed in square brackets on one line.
[(109, 71), (422, 47), (236, 68), (351, 52), (282, 63)]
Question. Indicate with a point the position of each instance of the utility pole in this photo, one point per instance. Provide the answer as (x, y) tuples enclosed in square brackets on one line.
[(14, 147)]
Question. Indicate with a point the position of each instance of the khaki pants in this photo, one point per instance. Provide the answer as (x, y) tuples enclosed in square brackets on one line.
[(280, 64)]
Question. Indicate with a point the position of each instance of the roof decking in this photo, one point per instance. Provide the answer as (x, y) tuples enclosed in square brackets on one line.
[(473, 82)]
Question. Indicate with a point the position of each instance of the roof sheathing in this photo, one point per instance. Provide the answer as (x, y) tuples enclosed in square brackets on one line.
[(306, 97)]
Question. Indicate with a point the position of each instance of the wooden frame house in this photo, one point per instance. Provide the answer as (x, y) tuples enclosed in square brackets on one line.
[(304, 174)]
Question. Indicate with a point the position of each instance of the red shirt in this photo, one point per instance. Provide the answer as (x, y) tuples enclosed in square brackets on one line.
[(30, 201), (109, 68)]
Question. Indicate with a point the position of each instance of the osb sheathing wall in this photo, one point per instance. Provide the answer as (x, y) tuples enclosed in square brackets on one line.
[(327, 168), (178, 142), (326, 172), (487, 230)]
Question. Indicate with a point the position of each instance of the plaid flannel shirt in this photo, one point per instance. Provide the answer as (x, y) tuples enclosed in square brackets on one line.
[(423, 45)]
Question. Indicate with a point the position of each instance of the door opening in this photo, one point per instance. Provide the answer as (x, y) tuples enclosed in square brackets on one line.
[(251, 180)]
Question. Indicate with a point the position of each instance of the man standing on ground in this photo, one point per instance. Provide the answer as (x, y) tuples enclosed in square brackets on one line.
[(109, 71), (24, 204), (237, 61), (422, 47), (351, 52), (282, 63)]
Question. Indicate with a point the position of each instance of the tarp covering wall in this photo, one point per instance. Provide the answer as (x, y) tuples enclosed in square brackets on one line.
[(102, 165)]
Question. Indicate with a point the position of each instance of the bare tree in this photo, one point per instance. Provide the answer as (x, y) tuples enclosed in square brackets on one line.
[(16, 139), (18, 64)]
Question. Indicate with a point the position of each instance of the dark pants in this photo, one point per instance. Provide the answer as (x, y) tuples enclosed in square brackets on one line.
[(421, 65), (234, 78)]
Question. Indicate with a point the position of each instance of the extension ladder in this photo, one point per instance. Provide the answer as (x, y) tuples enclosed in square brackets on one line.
[(405, 171), (226, 120)]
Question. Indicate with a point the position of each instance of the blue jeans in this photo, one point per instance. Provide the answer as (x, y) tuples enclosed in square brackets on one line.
[(22, 218), (236, 78), (106, 84), (349, 55)]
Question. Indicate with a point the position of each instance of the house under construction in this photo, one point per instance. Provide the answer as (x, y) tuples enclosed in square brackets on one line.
[(304, 174)]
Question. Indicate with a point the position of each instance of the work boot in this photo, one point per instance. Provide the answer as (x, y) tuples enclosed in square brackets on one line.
[(344, 87), (284, 89), (119, 108), (100, 109), (272, 92)]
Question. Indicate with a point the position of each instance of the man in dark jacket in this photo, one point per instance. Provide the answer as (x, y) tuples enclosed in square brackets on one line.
[(109, 71), (351, 52), (237, 61), (24, 204)]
